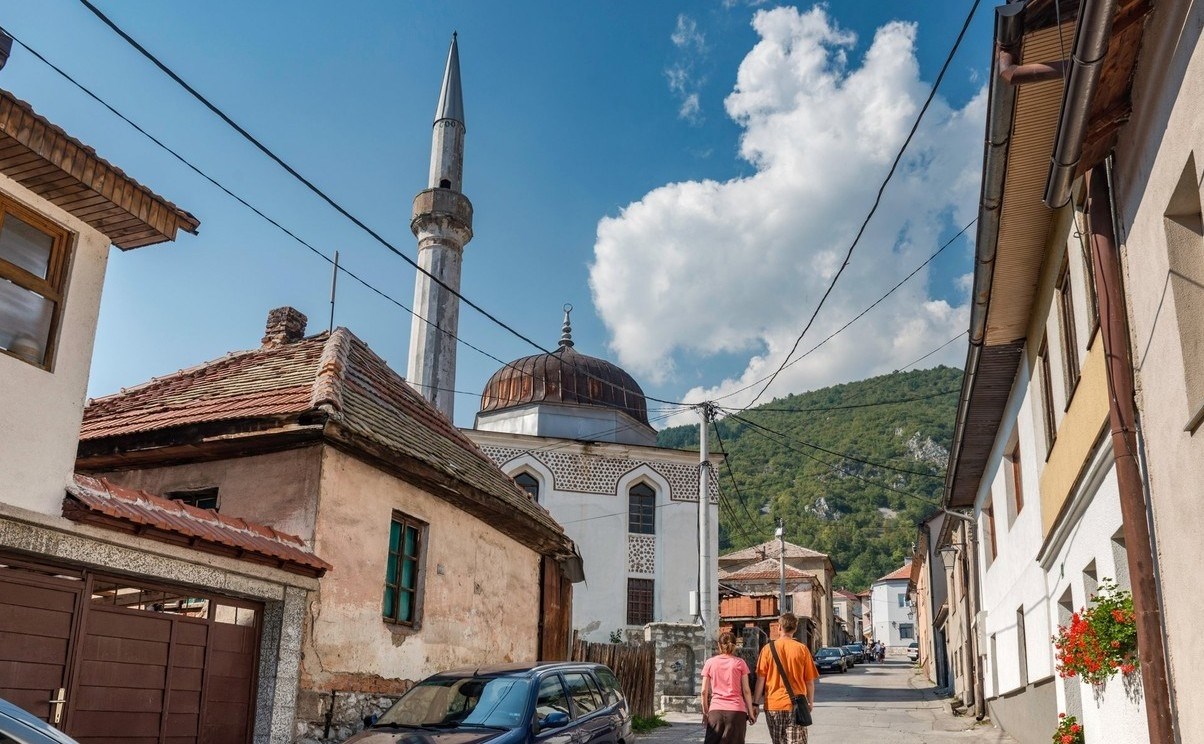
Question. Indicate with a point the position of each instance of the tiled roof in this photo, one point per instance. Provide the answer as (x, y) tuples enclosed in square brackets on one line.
[(845, 593), (763, 570), (330, 378), (770, 549), (203, 529), (899, 574)]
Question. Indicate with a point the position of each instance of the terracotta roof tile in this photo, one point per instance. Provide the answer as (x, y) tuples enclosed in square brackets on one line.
[(770, 549), (763, 570), (898, 574), (88, 496), (335, 373)]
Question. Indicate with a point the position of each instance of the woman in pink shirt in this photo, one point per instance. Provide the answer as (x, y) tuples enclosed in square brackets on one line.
[(726, 697)]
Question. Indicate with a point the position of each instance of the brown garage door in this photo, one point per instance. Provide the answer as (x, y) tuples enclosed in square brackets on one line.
[(141, 664), (37, 614)]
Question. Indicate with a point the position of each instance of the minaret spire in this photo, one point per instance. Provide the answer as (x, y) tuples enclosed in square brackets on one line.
[(566, 330), (442, 222)]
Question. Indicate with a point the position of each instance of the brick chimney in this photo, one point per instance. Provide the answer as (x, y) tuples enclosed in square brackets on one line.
[(285, 325)]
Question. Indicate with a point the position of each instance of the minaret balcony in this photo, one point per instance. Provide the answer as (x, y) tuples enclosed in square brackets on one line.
[(440, 211)]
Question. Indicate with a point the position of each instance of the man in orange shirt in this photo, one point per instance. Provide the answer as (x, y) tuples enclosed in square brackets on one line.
[(771, 690)]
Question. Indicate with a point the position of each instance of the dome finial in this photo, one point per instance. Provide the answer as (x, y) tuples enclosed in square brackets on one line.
[(566, 331)]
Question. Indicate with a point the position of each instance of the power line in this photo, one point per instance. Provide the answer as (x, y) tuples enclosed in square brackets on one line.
[(326, 197), (732, 475), (877, 199), (832, 466), (304, 243), (821, 409), (857, 317), (912, 364)]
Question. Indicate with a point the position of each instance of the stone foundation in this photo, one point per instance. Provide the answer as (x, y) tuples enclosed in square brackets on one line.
[(347, 719)]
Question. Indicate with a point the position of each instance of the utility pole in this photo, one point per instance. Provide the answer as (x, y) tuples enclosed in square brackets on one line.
[(706, 558), (780, 534)]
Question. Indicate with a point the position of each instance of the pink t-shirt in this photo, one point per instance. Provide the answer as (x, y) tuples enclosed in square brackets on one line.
[(726, 673)]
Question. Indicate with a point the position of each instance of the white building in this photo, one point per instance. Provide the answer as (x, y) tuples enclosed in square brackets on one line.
[(894, 619), (573, 431)]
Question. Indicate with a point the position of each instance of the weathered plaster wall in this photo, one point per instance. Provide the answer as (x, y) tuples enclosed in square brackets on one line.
[(279, 489), (887, 614), (1152, 155), (480, 592), (43, 410)]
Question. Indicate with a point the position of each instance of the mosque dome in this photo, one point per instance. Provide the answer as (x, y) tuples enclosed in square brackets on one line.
[(564, 377)]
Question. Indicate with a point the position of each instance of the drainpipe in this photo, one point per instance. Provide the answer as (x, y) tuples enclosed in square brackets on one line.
[(1091, 36), (1123, 421)]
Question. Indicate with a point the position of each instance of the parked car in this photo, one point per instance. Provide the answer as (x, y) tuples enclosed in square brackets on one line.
[(17, 724), (568, 701), (832, 659), (913, 650), (857, 652)]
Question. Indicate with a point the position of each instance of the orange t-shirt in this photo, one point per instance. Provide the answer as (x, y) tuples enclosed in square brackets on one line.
[(799, 666)]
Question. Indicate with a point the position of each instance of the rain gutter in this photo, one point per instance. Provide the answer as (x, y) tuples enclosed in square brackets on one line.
[(1091, 35)]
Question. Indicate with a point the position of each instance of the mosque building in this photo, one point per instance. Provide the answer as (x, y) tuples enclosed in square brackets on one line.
[(571, 429)]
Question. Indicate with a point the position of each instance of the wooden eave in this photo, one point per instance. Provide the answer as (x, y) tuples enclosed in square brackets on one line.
[(64, 171)]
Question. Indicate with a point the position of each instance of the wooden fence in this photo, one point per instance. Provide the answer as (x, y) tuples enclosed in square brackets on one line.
[(633, 663)]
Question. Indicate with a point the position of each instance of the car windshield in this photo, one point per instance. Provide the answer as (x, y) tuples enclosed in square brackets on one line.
[(824, 652), (451, 702)]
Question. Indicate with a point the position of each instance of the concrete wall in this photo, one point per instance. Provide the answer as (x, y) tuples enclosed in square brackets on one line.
[(43, 410), (585, 488), (279, 489), (1025, 714), (480, 593), (1152, 156), (592, 424)]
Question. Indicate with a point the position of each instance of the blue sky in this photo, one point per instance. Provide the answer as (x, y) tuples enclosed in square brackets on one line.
[(636, 160)]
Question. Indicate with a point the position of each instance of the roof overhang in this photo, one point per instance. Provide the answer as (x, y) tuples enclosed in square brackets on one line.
[(1026, 126), (46, 160)]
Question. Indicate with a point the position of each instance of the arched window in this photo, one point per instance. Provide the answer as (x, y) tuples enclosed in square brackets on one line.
[(528, 483), (445, 184), (641, 510)]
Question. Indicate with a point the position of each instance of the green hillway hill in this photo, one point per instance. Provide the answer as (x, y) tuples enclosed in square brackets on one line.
[(851, 468)]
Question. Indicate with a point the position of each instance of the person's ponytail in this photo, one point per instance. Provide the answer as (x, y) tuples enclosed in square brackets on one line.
[(727, 643)]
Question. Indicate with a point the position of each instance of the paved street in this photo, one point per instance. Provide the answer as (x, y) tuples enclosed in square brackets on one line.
[(889, 703)]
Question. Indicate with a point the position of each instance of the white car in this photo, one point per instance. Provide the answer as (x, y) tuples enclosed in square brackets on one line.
[(913, 650), (16, 724)]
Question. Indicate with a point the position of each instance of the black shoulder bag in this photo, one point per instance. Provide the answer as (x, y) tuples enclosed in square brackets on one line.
[(800, 707)]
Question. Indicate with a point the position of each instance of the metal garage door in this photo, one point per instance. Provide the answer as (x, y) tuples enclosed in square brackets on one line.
[(136, 663)]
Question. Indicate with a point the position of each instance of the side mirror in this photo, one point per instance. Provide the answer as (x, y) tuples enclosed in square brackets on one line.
[(554, 720)]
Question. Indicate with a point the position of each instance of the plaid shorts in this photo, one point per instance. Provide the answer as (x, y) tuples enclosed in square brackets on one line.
[(782, 729)]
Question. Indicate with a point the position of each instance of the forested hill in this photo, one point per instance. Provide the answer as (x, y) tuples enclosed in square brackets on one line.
[(886, 440)]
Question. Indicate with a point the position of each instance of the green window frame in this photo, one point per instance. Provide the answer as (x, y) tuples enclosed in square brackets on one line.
[(403, 571)]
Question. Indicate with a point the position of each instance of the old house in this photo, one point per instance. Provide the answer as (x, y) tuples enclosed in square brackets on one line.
[(817, 605), (1043, 450), (440, 559), (847, 609), (749, 602), (894, 617), (121, 614)]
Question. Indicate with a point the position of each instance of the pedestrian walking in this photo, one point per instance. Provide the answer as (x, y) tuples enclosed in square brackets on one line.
[(785, 668), (727, 707)]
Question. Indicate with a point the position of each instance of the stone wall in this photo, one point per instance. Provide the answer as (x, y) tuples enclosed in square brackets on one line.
[(346, 719), (680, 650)]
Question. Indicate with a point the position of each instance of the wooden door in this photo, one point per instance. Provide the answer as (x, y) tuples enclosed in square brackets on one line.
[(37, 617), (555, 612)]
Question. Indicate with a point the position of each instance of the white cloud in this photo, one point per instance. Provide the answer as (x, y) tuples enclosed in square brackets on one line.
[(684, 81), (701, 268)]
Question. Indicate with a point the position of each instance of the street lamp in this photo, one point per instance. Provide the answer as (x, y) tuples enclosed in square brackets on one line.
[(949, 556)]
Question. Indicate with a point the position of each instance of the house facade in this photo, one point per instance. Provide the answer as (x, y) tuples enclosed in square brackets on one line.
[(749, 606), (894, 616), (763, 558), (92, 574), (317, 436), (847, 609), (1043, 453)]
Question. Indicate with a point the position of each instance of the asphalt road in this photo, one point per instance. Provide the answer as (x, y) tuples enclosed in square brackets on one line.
[(887, 703)]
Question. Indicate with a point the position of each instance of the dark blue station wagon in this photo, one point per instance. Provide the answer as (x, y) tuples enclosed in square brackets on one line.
[(554, 703)]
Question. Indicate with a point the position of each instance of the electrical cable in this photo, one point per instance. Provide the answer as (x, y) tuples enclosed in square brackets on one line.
[(732, 475), (313, 188), (877, 199), (856, 317), (821, 409), (912, 364), (309, 246), (832, 466)]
